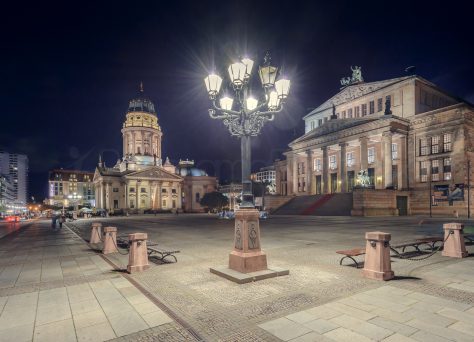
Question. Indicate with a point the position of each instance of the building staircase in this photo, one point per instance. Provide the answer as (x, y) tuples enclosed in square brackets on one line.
[(318, 205)]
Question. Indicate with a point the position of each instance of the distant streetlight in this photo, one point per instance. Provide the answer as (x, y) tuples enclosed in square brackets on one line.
[(250, 113)]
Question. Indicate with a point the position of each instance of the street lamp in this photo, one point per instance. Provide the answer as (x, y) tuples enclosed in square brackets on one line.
[(248, 118), (244, 116)]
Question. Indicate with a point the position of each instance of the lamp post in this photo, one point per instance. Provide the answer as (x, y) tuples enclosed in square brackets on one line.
[(244, 116)]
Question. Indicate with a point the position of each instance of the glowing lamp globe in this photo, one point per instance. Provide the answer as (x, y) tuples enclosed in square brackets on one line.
[(273, 101), (268, 75), (252, 103), (237, 73), (248, 67), (226, 103), (213, 84), (282, 88)]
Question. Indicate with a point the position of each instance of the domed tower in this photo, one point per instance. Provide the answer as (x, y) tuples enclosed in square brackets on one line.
[(141, 133)]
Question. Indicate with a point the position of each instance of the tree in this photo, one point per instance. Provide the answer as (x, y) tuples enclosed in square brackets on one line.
[(214, 200)]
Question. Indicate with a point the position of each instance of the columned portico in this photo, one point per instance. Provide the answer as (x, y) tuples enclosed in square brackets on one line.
[(363, 153), (309, 171), (325, 170), (343, 168), (387, 159)]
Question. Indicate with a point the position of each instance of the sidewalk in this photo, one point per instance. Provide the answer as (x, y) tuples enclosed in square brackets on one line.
[(53, 287)]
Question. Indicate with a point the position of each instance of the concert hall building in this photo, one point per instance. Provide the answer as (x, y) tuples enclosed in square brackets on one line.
[(401, 146)]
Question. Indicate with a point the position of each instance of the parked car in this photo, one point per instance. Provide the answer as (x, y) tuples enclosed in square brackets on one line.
[(13, 218)]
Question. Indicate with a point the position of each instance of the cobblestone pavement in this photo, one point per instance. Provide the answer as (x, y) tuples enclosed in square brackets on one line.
[(53, 287), (215, 309)]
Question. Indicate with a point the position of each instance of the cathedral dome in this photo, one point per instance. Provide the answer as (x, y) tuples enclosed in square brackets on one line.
[(186, 168), (141, 103)]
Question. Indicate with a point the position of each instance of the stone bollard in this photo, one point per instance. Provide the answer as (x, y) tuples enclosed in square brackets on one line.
[(138, 254), (110, 240), (96, 233), (454, 246), (377, 256)]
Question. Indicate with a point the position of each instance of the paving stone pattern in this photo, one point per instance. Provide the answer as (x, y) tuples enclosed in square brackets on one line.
[(219, 310)]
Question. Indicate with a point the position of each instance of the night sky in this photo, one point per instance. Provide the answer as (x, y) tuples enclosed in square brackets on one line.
[(68, 69)]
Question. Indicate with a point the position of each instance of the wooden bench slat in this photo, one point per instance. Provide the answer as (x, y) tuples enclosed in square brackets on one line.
[(352, 252)]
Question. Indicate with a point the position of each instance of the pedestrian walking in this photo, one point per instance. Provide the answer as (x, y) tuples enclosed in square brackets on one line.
[(62, 219), (53, 221)]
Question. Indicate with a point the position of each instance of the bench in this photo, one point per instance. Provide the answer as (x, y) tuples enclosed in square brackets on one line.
[(469, 238), (161, 253), (430, 241), (122, 241), (350, 254)]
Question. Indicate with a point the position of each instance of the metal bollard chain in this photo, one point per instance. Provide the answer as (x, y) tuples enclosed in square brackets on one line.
[(118, 250), (424, 257)]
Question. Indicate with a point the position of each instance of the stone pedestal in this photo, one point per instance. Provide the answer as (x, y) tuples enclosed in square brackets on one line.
[(138, 256), (247, 262), (454, 246), (96, 233), (247, 255), (110, 240), (377, 256)]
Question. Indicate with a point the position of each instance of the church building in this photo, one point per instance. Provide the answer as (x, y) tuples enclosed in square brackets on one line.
[(140, 181), (399, 146)]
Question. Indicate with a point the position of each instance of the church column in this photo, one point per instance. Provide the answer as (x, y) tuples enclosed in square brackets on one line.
[(309, 171), (295, 174), (134, 143), (143, 142), (363, 153), (160, 202), (325, 170), (402, 163), (137, 194), (126, 195), (387, 158), (343, 168)]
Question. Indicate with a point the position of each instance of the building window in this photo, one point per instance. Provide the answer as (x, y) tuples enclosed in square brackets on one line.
[(379, 105), (174, 203), (337, 116), (198, 197), (115, 190), (349, 113), (435, 170), (320, 122), (163, 191), (371, 155), (317, 165), (173, 191), (132, 204), (312, 125), (343, 114), (350, 159), (424, 171), (424, 147), (434, 145), (143, 190), (394, 151), (447, 142), (332, 162), (371, 107), (325, 119), (164, 204), (356, 111), (447, 168), (132, 189), (364, 109)]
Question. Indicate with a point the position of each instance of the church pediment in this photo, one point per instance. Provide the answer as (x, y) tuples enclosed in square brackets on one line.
[(154, 172)]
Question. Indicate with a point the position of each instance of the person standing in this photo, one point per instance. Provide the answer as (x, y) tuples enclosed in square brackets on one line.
[(53, 222), (62, 219)]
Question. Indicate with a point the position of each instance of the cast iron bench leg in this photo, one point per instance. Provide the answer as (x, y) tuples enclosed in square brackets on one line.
[(347, 256)]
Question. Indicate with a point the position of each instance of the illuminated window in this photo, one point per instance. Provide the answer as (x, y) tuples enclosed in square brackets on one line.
[(371, 155), (447, 168), (394, 151), (379, 105), (332, 162), (435, 170), (424, 147), (350, 159), (317, 165), (447, 142), (424, 171), (434, 145)]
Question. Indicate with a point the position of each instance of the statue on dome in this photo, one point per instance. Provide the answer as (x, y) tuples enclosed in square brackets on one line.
[(356, 77)]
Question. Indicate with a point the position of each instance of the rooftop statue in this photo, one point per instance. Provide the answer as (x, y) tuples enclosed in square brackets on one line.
[(356, 77)]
